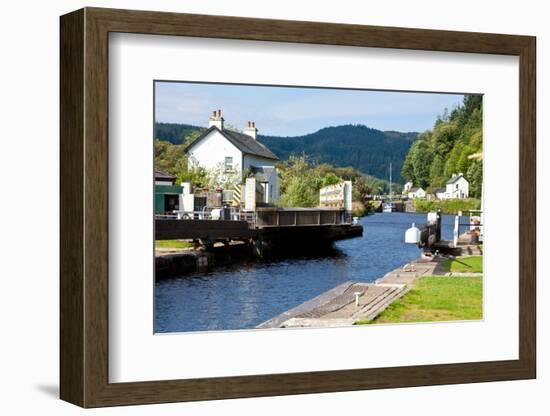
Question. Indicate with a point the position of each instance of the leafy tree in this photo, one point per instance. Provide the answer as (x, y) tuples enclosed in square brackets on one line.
[(361, 190), (330, 179), (475, 176), (197, 175), (422, 160), (170, 158), (444, 150), (437, 172)]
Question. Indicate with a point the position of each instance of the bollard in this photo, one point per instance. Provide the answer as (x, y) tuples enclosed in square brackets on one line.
[(357, 294)]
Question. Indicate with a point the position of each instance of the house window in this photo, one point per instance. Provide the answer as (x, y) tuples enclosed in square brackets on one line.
[(228, 164)]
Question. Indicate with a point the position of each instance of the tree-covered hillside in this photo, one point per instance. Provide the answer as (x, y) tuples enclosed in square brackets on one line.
[(175, 133), (367, 150), (446, 149)]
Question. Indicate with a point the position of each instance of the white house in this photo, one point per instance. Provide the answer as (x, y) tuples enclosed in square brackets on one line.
[(440, 193), (416, 192), (407, 187), (235, 153), (457, 187)]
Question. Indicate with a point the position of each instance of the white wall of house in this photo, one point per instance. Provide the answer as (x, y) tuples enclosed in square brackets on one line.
[(273, 184), (458, 189), (273, 188), (251, 160), (418, 193), (212, 150), (440, 195)]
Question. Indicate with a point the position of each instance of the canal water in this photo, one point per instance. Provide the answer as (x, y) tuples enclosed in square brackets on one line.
[(245, 295)]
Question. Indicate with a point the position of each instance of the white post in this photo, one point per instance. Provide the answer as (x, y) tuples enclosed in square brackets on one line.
[(455, 231), (357, 294), (250, 194)]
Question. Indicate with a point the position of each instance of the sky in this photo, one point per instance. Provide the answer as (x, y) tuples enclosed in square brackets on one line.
[(293, 111)]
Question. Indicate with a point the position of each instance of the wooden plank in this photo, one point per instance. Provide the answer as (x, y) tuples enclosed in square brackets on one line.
[(71, 318)]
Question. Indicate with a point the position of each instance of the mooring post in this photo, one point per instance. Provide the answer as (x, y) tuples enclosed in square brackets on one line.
[(357, 294), (455, 230)]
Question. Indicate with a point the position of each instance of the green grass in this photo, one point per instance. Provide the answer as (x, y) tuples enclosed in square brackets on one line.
[(173, 244), (448, 206), (436, 298), (472, 264)]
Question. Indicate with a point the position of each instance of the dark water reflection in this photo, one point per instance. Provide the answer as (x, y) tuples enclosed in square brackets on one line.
[(244, 295)]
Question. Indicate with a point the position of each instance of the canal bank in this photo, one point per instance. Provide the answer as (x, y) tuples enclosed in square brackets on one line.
[(244, 295), (270, 243), (353, 303)]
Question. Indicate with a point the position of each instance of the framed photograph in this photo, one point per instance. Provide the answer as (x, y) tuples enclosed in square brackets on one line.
[(254, 207)]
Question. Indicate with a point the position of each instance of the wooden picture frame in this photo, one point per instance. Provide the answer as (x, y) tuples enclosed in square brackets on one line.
[(84, 207)]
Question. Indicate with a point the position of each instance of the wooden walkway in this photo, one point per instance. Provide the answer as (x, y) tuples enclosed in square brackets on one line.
[(337, 307)]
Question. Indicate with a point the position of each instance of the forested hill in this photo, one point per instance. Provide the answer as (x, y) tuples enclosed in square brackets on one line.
[(454, 145), (367, 150)]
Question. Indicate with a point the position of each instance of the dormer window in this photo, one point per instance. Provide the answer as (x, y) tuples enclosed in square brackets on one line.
[(228, 164)]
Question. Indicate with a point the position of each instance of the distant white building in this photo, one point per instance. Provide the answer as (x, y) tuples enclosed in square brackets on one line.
[(407, 187), (416, 193), (457, 187), (440, 193), (236, 153)]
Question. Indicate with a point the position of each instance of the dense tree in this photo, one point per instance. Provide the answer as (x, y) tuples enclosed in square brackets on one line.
[(446, 149)]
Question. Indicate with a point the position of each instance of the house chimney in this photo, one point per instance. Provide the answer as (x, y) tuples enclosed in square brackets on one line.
[(251, 130), (216, 119)]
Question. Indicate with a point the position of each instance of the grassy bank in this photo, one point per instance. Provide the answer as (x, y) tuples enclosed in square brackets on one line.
[(448, 206), (436, 298), (472, 264), (173, 244)]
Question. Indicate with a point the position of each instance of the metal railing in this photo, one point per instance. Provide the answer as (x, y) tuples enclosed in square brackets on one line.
[(475, 224), (211, 214)]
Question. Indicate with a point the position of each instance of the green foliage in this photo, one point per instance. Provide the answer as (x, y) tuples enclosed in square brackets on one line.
[(475, 174), (330, 179), (169, 158), (448, 206), (422, 160), (300, 182), (176, 133), (437, 172), (361, 190), (445, 149), (301, 179), (197, 175)]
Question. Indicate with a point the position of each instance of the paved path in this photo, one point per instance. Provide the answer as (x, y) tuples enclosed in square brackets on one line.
[(337, 307)]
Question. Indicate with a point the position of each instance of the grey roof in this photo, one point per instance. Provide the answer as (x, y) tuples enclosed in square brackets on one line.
[(439, 190), (454, 179), (161, 175), (415, 189), (262, 173), (243, 142)]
